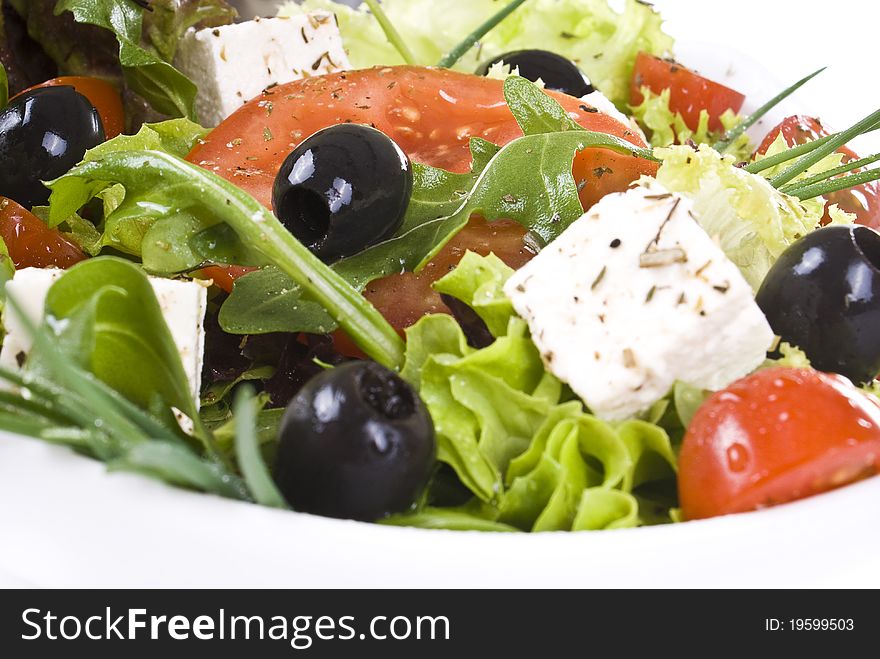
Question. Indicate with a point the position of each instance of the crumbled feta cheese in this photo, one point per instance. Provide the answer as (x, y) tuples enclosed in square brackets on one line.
[(232, 64), (183, 306), (634, 296)]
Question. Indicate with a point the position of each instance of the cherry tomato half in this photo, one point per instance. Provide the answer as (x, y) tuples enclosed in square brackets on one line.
[(101, 94), (689, 91), (31, 243), (431, 114), (776, 436), (863, 201)]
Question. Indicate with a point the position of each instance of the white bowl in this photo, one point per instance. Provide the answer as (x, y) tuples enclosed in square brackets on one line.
[(66, 522)]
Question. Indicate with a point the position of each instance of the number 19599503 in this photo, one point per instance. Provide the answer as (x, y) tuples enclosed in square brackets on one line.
[(809, 624)]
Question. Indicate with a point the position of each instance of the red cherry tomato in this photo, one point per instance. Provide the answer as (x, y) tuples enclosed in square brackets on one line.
[(863, 201), (689, 91), (431, 114), (33, 244), (776, 436), (101, 94)]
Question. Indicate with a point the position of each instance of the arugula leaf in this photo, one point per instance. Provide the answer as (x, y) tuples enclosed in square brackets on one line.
[(534, 110), (266, 301), (166, 89), (172, 186), (130, 346)]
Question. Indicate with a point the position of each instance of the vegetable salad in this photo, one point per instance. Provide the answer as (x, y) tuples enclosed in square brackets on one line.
[(497, 266)]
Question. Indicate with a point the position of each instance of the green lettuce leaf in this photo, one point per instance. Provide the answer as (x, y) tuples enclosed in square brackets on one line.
[(535, 459), (665, 128), (603, 42), (753, 222)]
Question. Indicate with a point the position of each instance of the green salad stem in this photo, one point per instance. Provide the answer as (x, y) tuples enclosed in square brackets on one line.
[(835, 185), (474, 37), (247, 449), (831, 173), (804, 163), (731, 135), (391, 32)]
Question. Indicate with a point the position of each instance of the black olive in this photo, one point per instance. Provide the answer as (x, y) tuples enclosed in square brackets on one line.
[(823, 296), (355, 443), (558, 73), (343, 189), (43, 133)]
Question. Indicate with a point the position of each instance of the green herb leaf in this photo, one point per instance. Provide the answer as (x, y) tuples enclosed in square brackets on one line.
[(179, 466), (535, 111), (850, 166), (250, 459), (266, 301), (835, 185), (165, 88)]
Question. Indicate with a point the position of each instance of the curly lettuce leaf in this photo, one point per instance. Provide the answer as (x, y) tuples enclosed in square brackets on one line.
[(603, 42), (665, 127), (753, 222), (536, 460)]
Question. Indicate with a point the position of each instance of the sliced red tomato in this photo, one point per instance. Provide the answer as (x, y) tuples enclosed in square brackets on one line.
[(690, 93), (779, 435), (31, 243), (863, 201), (101, 94), (431, 114)]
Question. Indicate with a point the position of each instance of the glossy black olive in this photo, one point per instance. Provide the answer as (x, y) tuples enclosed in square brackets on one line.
[(355, 443), (823, 296), (343, 189), (558, 73), (44, 133)]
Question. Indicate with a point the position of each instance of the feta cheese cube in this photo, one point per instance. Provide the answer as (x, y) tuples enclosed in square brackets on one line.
[(183, 306), (232, 64), (634, 296)]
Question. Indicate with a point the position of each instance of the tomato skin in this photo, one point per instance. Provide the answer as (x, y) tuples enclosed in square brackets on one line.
[(863, 201), (31, 243), (431, 114), (101, 94), (689, 91), (776, 436)]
